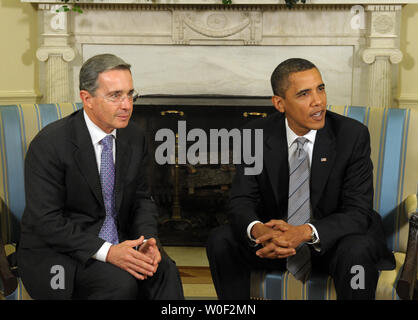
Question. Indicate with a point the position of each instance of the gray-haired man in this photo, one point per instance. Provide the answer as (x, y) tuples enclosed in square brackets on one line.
[(88, 211)]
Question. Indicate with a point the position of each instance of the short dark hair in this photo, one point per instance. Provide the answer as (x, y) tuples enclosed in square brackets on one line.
[(91, 69), (280, 76)]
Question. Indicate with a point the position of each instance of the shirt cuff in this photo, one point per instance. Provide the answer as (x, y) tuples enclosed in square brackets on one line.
[(250, 226), (101, 254)]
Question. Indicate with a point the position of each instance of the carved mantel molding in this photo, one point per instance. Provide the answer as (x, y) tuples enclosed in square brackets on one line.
[(234, 2), (374, 35)]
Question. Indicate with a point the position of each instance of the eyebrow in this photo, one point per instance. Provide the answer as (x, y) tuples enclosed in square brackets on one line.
[(120, 91), (322, 85), (302, 91)]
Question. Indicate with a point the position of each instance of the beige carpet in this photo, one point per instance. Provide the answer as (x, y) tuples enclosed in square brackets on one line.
[(194, 271)]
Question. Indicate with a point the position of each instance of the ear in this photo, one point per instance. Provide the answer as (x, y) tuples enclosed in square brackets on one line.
[(86, 98), (278, 103)]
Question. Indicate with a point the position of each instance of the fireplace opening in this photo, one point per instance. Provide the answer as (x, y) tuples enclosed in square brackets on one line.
[(192, 199)]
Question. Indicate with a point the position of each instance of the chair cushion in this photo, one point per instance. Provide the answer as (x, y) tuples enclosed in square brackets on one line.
[(20, 293), (386, 286), (283, 286)]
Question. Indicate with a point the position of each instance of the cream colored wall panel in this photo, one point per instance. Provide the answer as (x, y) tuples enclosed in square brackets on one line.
[(18, 63)]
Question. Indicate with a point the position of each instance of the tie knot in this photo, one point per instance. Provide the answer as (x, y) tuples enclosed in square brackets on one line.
[(300, 152), (107, 142), (301, 142)]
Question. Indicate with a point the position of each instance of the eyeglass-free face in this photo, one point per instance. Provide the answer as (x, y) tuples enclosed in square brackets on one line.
[(305, 101)]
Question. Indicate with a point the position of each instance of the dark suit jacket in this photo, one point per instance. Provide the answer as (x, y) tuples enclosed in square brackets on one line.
[(64, 205), (341, 183)]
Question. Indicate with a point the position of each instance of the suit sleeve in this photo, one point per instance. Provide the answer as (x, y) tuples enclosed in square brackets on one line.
[(244, 203), (355, 200), (145, 213), (45, 199)]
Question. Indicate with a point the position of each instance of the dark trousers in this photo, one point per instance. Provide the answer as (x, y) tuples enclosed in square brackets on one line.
[(104, 281), (231, 264)]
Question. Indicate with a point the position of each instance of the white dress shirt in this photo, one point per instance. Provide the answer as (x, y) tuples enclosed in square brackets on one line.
[(97, 135), (292, 145)]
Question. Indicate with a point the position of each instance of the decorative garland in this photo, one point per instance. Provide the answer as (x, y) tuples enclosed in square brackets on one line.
[(65, 8)]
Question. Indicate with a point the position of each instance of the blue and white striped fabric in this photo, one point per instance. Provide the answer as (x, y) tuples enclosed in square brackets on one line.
[(18, 126)]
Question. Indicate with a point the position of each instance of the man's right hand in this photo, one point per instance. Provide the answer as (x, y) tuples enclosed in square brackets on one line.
[(124, 256), (276, 249)]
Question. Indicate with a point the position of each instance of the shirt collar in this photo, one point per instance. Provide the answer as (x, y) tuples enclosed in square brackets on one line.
[(291, 136), (96, 133)]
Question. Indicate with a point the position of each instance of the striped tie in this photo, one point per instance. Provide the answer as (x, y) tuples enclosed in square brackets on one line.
[(109, 230), (299, 210)]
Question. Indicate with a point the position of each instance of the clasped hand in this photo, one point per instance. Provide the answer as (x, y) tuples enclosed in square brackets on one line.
[(279, 239), (141, 263)]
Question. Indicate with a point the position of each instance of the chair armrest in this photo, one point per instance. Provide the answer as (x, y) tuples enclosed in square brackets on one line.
[(6, 275), (407, 280)]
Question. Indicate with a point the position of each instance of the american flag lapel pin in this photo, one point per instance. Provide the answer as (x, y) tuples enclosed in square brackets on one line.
[(323, 159)]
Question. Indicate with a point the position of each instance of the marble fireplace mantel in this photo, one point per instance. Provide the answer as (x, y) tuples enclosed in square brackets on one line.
[(205, 47), (219, 2)]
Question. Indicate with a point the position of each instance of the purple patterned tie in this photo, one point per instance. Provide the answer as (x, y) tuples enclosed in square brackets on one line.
[(107, 178)]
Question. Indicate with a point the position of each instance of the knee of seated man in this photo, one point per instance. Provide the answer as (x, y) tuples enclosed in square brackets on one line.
[(356, 249), (167, 266), (218, 237), (122, 285)]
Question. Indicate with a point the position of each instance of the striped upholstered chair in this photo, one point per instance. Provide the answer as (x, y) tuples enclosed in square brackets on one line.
[(18, 126), (394, 152)]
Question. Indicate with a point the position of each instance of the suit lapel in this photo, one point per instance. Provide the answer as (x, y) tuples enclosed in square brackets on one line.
[(275, 159), (323, 158), (85, 157), (123, 156)]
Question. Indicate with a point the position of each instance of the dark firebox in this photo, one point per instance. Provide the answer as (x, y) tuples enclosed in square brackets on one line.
[(193, 199)]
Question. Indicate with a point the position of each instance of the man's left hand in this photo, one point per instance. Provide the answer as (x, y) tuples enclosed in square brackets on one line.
[(150, 249), (293, 235)]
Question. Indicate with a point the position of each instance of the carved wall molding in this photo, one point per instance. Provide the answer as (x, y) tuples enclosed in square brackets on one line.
[(216, 25), (369, 55), (206, 25), (204, 7), (383, 20), (384, 7), (383, 24), (67, 53)]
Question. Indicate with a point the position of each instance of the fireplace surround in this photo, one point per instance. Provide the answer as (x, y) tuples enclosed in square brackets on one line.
[(205, 47)]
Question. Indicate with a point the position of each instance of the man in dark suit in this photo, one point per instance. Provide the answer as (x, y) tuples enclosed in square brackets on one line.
[(89, 229), (288, 217)]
